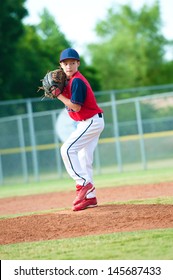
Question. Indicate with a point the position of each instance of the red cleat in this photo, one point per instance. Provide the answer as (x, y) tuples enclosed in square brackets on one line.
[(82, 192), (86, 203)]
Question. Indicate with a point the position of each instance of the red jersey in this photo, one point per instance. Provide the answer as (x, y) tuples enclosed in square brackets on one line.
[(79, 91)]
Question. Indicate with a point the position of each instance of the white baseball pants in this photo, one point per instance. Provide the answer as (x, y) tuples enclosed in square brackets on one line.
[(77, 151)]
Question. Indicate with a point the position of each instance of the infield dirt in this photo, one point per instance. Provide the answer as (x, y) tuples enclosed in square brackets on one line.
[(106, 218)]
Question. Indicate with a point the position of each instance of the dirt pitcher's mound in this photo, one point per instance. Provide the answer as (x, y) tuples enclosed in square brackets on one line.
[(40, 202), (99, 220)]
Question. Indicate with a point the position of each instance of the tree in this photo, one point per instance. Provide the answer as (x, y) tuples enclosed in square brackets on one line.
[(53, 42), (38, 52), (130, 52), (11, 29)]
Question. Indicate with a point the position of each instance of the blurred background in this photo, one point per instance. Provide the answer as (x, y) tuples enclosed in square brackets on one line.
[(126, 50)]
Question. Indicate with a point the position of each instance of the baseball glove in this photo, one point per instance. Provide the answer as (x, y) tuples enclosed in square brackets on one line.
[(53, 83)]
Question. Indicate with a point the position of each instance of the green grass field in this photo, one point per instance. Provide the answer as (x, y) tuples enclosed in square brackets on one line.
[(101, 181), (139, 245)]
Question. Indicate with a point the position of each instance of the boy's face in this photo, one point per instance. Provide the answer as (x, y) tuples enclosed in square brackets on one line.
[(70, 66)]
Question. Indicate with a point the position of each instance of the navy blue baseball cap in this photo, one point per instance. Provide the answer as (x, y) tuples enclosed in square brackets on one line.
[(69, 54)]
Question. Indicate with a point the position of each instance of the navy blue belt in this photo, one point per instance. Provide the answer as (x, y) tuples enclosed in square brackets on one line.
[(99, 114)]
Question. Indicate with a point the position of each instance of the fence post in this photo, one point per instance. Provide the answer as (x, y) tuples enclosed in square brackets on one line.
[(23, 151), (33, 141), (97, 160), (57, 149), (140, 132), (1, 172), (116, 131)]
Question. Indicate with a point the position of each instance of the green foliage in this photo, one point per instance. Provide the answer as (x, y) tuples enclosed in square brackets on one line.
[(52, 39), (91, 74), (38, 52), (11, 29), (130, 52)]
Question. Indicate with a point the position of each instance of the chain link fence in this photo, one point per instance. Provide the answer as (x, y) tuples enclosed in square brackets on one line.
[(138, 135)]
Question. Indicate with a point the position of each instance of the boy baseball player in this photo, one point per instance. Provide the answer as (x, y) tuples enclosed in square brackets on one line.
[(77, 151)]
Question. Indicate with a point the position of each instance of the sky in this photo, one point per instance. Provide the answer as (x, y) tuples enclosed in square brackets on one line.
[(77, 19)]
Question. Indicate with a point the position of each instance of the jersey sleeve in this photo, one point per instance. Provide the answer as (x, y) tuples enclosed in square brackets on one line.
[(78, 91)]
